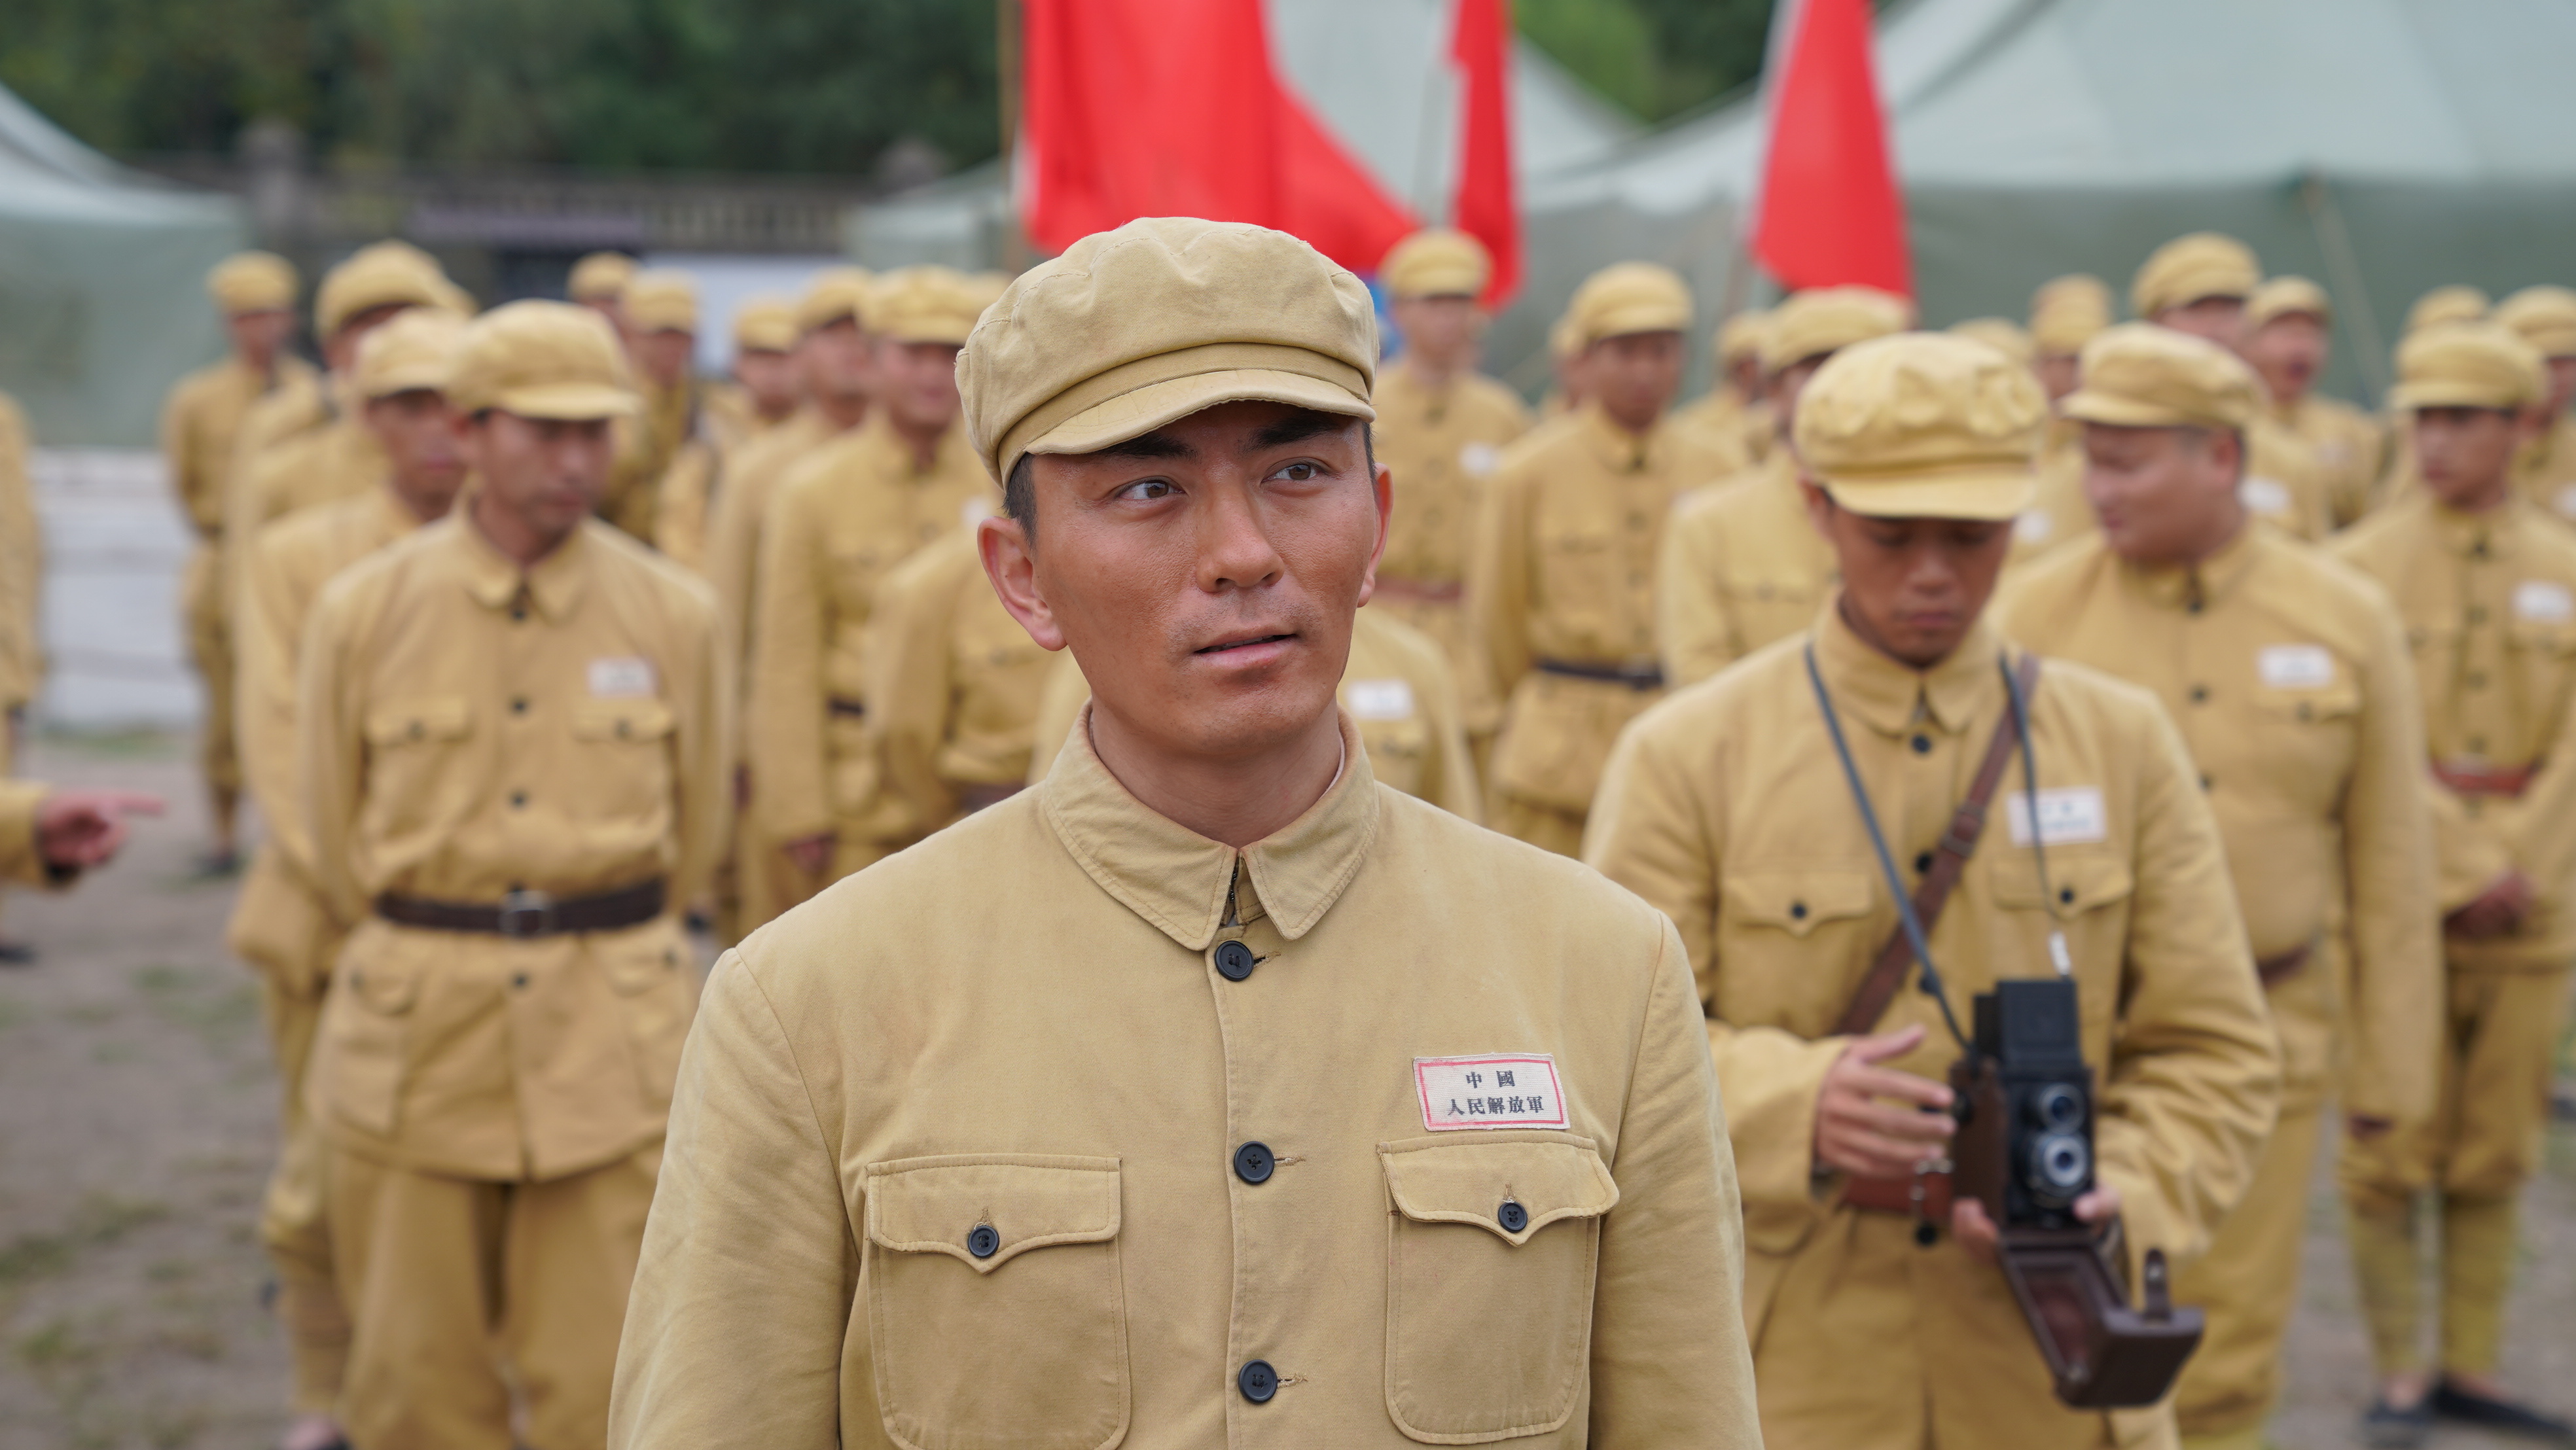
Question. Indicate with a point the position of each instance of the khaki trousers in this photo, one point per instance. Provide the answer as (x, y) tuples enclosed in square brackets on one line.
[(294, 1224), (2481, 1145), (449, 1280), (210, 650)]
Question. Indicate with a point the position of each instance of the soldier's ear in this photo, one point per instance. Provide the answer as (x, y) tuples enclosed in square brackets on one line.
[(1011, 565)]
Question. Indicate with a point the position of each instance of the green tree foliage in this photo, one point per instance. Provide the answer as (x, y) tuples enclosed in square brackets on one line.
[(1657, 58)]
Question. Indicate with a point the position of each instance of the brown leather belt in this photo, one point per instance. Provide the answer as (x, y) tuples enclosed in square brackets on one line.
[(2484, 779), (1926, 1195), (1635, 677), (1421, 592), (977, 797), (525, 914), (846, 707), (2274, 970)]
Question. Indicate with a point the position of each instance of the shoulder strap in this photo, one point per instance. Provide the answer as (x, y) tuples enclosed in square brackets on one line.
[(1949, 860)]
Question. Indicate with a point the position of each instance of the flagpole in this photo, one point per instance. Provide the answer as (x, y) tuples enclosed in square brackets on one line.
[(1013, 244)]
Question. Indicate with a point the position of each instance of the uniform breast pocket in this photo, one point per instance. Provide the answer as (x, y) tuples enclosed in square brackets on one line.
[(2087, 896), (623, 764), (997, 1315), (2544, 656), (411, 747), (1580, 576), (855, 571), (2319, 732), (1491, 1250), (1398, 750)]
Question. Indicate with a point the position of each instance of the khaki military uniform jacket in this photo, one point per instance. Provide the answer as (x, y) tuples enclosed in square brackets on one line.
[(1742, 566), (1725, 807), (733, 531), (2545, 471), (2347, 447), (201, 424), (647, 445), (2489, 602), (955, 1166), (22, 564), (21, 858), (2289, 678), (953, 684), (841, 521), (2284, 485), (469, 730), (1724, 423), (2059, 513), (1397, 688), (340, 459), (1442, 447)]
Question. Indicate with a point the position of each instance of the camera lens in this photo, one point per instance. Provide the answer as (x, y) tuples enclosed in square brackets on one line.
[(2060, 1165), (2058, 1107)]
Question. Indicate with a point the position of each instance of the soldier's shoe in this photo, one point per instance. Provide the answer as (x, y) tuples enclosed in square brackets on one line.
[(2500, 1415), (2385, 1427)]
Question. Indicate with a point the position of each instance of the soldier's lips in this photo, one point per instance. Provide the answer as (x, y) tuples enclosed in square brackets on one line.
[(1247, 649)]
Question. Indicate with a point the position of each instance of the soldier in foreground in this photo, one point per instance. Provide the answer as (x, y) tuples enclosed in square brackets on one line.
[(2289, 678), (199, 426), (1134, 1110), (2486, 583), (1880, 1319), (513, 726)]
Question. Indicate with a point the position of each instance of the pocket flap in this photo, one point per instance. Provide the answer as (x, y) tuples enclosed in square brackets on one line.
[(2077, 883), (1797, 901), (935, 1205), (381, 988), (1441, 1180), (408, 721), (2334, 702), (637, 719)]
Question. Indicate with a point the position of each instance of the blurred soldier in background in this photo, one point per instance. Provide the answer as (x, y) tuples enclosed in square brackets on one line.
[(1560, 585), (2486, 583), (199, 426), (765, 389), (2288, 675), (1566, 357), (1733, 415), (2545, 471), (598, 282), (2065, 313), (2289, 330), (661, 311), (282, 925), (1741, 563), (2451, 302), (2448, 303)]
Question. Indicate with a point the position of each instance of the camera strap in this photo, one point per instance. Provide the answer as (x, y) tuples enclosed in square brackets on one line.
[(1913, 934)]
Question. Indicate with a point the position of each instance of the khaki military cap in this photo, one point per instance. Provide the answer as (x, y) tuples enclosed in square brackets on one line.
[(1629, 297), (835, 293), (388, 274), (2452, 303), (600, 277), (552, 360), (2138, 375), (1131, 329), (2000, 333), (415, 350), (1564, 339), (2544, 316), (2284, 296), (1740, 337), (2468, 365), (1923, 425), (660, 300), (2190, 268), (924, 304), (252, 282), (1826, 319), (2066, 312), (1436, 262), (764, 324)]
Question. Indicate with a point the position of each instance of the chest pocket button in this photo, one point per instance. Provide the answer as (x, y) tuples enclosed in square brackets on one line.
[(983, 1241)]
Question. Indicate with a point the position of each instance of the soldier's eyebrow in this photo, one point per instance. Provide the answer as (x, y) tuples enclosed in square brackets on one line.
[(1297, 427), (1157, 444)]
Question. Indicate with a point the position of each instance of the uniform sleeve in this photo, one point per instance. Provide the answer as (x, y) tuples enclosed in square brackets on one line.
[(1498, 586), (741, 1303), (330, 733), (1670, 1364), (788, 784), (680, 518), (1449, 776), (2469, 853), (1692, 630), (733, 543), (188, 481), (705, 744), (910, 691), (21, 593), (1650, 831), (266, 636), (2195, 1074), (2539, 826), (21, 860), (2395, 933)]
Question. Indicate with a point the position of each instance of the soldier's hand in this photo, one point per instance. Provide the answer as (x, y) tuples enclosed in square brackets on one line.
[(1871, 1120), (812, 853), (1976, 1232), (2499, 911), (77, 830)]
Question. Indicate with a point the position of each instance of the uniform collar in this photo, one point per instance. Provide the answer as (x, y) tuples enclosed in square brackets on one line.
[(495, 579), (2197, 586), (1623, 451), (894, 459), (2487, 535), (1892, 698), (1178, 879)]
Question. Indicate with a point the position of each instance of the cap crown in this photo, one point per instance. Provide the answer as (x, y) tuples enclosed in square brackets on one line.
[(252, 282), (414, 350), (1629, 297), (1918, 404), (2468, 365), (2190, 268), (1826, 319), (542, 360), (2139, 375), (2543, 316), (2066, 312), (1437, 262)]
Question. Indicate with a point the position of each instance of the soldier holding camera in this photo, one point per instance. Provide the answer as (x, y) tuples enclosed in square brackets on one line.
[(2124, 1068)]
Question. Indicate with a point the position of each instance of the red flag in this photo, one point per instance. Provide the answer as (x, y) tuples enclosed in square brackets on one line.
[(1487, 206), (1829, 212), (1173, 108)]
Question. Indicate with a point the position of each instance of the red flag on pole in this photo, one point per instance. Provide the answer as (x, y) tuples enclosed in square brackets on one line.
[(1487, 206), (1829, 212)]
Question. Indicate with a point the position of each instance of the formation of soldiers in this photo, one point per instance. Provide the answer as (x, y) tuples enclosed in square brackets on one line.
[(529, 645)]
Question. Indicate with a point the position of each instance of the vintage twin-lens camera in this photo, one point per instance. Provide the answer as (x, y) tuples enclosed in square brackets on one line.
[(2024, 1149)]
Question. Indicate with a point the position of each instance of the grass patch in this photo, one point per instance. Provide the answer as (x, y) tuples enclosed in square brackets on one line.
[(101, 1219)]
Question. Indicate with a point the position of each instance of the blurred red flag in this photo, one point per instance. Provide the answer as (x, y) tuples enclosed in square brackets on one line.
[(1172, 108), (1488, 207), (1829, 212)]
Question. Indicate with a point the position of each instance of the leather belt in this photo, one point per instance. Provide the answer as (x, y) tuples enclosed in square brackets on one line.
[(2272, 971), (978, 797), (846, 707), (1925, 1196), (1420, 591), (2471, 779), (525, 914), (1635, 677)]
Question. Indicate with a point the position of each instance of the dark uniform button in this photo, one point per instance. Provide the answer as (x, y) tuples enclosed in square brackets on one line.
[(1234, 961), (1923, 864), (519, 706), (519, 615), (1922, 744), (2066, 895), (1512, 1217), (1253, 1162), (1797, 911), (2477, 614), (518, 800), (983, 1241), (2200, 694), (1258, 1381), (520, 981)]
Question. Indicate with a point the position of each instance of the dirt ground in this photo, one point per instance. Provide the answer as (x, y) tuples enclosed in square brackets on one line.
[(137, 1119)]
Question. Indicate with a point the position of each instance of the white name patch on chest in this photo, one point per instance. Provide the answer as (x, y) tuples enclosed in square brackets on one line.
[(2294, 666), (2068, 816), (2269, 497), (2538, 601), (1479, 459), (621, 677), (1503, 1091), (1380, 699)]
